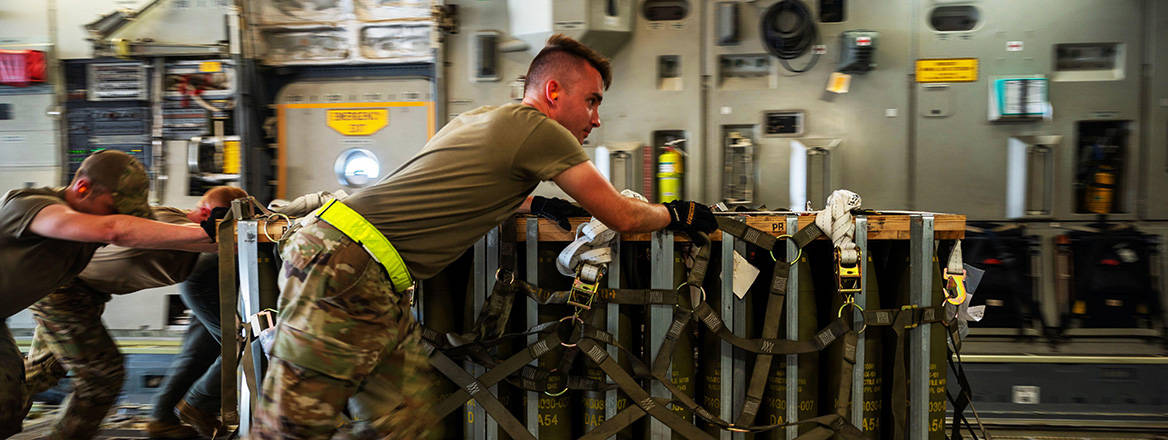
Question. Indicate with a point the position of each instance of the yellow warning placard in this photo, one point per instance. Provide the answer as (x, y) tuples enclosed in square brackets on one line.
[(210, 67), (947, 70), (357, 122)]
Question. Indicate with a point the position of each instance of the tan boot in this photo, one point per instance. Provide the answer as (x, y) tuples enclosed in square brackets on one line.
[(158, 429), (207, 424)]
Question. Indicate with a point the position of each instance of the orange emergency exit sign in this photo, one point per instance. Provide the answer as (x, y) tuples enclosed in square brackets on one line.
[(946, 70), (357, 122)]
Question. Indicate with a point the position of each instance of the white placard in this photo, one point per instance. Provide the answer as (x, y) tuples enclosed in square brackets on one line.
[(744, 275), (1025, 395)]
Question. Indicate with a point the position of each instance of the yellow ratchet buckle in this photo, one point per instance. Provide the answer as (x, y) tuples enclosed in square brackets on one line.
[(847, 277)]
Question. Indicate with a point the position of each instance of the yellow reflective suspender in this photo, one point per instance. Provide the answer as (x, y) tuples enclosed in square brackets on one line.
[(352, 224)]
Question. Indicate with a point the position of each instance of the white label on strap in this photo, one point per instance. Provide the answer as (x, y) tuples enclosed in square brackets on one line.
[(744, 275), (1025, 395)]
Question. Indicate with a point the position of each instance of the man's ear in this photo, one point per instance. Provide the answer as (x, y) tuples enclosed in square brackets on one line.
[(552, 90), (82, 187)]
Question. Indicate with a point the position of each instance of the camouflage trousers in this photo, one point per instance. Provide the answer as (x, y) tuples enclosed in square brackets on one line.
[(71, 337), (12, 389), (344, 337)]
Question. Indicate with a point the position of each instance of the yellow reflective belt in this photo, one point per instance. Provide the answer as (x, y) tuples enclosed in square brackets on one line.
[(352, 224)]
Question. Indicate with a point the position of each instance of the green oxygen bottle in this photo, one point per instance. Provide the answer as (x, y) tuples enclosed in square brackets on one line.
[(683, 370), (939, 351), (555, 405), (807, 386), (635, 270), (873, 383), (593, 402), (832, 379), (709, 354)]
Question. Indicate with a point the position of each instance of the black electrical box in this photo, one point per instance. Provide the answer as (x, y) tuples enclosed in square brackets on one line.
[(783, 123), (831, 11)]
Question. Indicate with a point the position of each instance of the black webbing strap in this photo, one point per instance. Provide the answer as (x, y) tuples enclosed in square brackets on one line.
[(248, 363), (669, 343), (900, 324), (620, 421), (834, 423), (770, 330), (611, 296), (496, 311), (496, 374), (961, 401), (901, 320), (805, 236), (480, 393), (847, 366), (964, 397), (537, 379), (746, 233), (639, 396), (763, 239), (706, 315)]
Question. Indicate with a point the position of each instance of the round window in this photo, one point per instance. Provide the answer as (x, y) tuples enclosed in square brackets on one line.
[(357, 167)]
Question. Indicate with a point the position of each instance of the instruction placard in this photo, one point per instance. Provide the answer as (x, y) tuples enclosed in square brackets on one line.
[(946, 70), (357, 122)]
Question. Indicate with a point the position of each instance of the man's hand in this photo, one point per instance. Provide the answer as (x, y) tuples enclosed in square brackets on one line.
[(689, 217), (557, 210), (209, 225)]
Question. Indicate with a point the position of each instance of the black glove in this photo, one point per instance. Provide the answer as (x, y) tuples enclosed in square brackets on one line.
[(688, 216), (209, 225), (557, 210)]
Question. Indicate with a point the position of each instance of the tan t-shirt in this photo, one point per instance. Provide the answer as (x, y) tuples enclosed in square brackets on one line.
[(119, 270), (31, 266), (472, 175)]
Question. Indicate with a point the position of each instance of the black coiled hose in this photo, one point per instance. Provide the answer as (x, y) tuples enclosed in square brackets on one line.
[(795, 40)]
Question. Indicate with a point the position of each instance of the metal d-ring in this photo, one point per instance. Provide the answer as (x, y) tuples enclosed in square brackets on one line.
[(797, 255), (510, 276), (863, 322), (561, 392), (575, 318), (700, 288), (268, 219)]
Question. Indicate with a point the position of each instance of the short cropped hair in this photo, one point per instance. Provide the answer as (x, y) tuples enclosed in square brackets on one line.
[(562, 49), (221, 196)]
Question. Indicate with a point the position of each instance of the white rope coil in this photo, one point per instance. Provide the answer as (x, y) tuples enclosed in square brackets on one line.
[(592, 247), (835, 220)]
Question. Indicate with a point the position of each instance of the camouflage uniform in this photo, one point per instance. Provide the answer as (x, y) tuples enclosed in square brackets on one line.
[(71, 337), (344, 336), (11, 384)]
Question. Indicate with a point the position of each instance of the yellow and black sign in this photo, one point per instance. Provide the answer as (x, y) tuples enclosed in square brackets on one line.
[(210, 67), (947, 70), (357, 122)]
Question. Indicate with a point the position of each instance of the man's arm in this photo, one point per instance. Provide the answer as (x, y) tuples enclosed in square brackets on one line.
[(625, 214), (63, 223)]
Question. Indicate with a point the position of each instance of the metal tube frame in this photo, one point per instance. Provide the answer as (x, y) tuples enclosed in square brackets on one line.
[(921, 285), (739, 327), (249, 303), (726, 373), (473, 429), (613, 323), (861, 238), (532, 261), (492, 257), (660, 316), (792, 316)]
